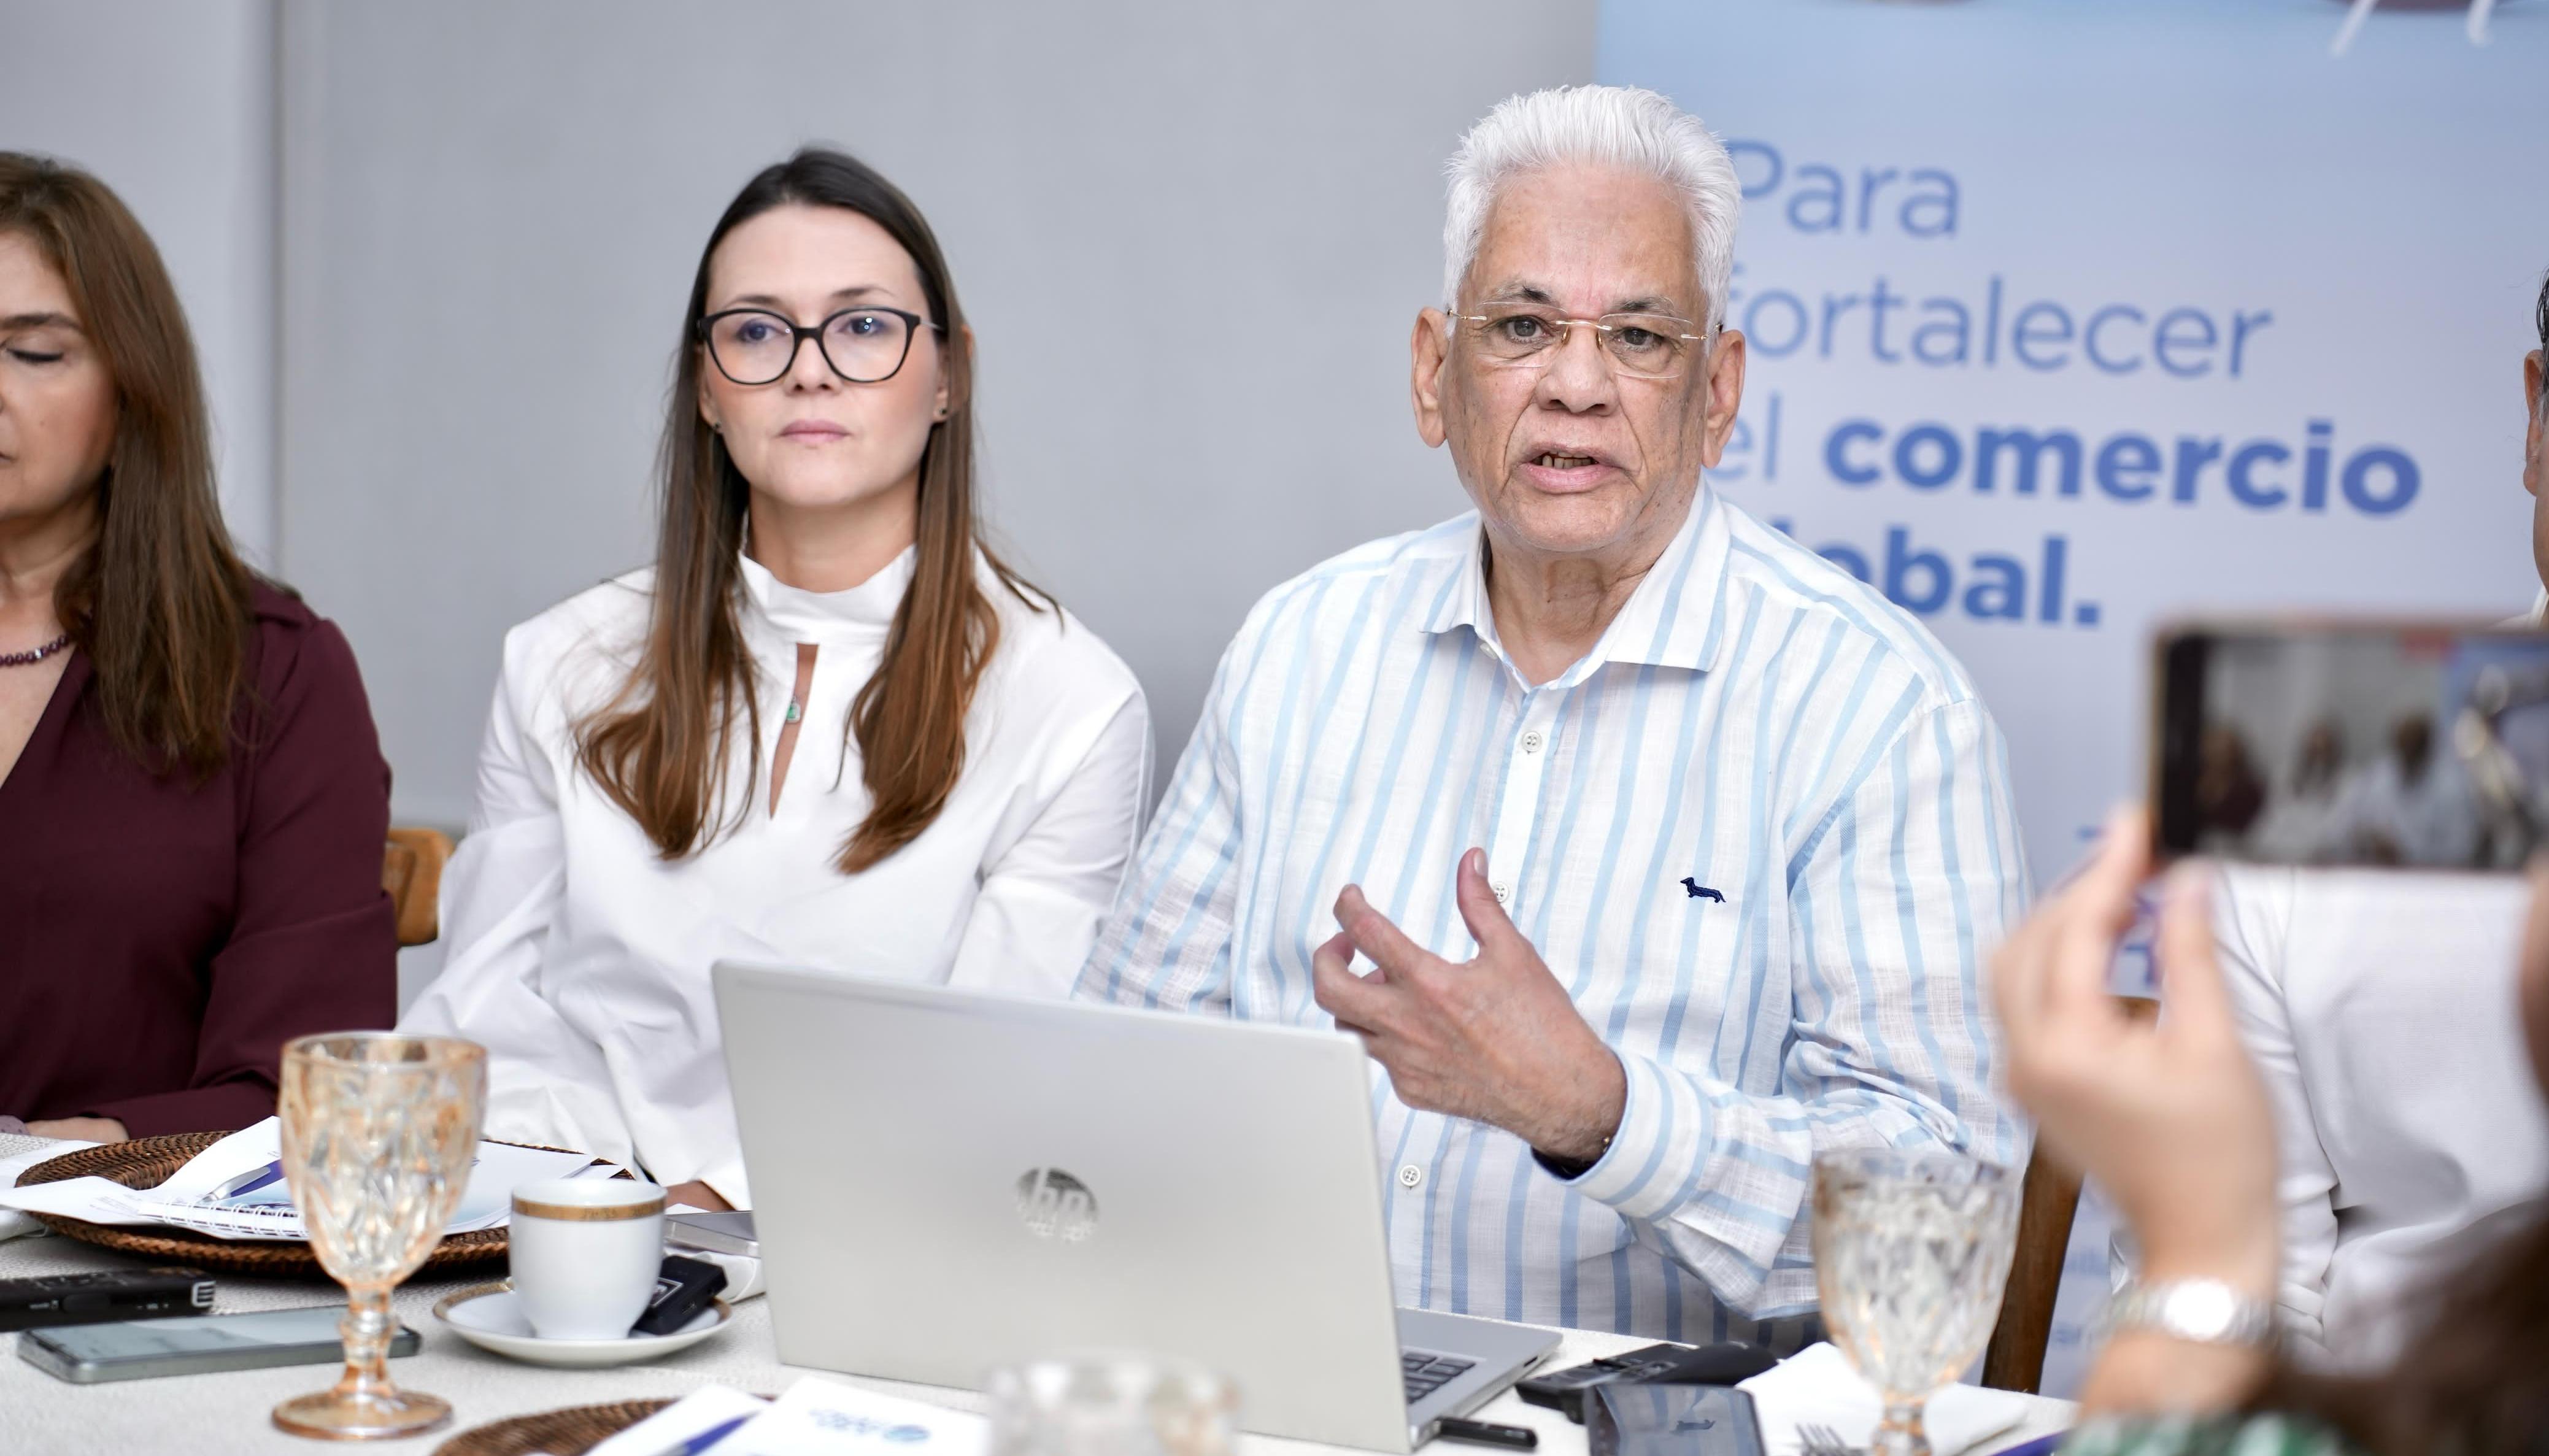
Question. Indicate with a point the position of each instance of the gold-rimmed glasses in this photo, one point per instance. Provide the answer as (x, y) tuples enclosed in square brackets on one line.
[(379, 1132), (1640, 345)]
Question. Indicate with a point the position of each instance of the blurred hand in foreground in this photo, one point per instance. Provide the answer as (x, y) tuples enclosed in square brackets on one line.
[(2170, 1117)]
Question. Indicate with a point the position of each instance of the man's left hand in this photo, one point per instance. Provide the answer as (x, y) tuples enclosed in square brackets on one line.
[(1495, 1039)]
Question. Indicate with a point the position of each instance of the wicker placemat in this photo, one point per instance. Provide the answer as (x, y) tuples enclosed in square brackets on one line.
[(148, 1162), (569, 1432)]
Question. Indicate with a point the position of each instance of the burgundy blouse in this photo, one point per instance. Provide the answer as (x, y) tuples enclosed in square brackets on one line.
[(161, 939)]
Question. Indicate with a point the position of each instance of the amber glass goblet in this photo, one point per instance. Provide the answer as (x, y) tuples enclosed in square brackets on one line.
[(379, 1132)]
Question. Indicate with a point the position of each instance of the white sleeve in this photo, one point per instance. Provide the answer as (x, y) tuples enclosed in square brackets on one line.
[(545, 1079), (1167, 945), (2252, 923), (1044, 896)]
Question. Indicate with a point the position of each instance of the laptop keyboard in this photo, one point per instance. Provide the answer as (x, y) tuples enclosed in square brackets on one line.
[(1426, 1373)]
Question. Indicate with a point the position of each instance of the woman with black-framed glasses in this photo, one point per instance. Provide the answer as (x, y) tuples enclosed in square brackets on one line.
[(976, 761)]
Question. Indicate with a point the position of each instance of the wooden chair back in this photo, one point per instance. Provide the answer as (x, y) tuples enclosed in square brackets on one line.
[(412, 872), (2048, 1201)]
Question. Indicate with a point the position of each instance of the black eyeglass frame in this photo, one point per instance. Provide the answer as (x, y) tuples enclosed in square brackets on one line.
[(913, 324)]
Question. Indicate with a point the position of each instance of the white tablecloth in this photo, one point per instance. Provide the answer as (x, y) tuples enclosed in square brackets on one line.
[(217, 1414)]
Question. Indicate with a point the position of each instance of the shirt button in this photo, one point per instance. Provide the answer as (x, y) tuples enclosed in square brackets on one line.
[(1531, 742), (1504, 892), (1410, 1175)]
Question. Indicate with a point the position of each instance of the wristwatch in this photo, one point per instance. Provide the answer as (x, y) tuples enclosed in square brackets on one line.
[(2206, 1311)]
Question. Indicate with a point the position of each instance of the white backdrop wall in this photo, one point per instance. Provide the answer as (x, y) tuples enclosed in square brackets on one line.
[(1191, 241), (173, 102)]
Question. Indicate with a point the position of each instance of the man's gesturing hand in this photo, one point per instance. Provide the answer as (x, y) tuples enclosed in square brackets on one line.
[(1494, 1039)]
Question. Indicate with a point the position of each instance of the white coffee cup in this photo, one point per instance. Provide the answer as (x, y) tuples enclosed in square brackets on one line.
[(586, 1253)]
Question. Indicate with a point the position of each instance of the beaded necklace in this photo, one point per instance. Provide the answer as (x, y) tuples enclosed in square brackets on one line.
[(34, 655)]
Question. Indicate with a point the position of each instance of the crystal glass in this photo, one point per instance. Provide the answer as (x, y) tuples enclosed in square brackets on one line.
[(1110, 1405), (1910, 1252), (379, 1132)]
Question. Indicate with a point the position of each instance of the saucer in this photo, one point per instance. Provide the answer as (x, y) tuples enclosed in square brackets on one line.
[(489, 1316)]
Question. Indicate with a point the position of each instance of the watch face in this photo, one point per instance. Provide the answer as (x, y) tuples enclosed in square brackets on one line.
[(2201, 1311)]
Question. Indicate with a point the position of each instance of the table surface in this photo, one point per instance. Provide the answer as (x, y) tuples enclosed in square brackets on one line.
[(216, 1414)]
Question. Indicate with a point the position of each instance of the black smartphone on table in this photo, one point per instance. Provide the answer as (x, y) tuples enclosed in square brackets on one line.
[(47, 1301), (2414, 745), (1565, 1391), (195, 1345)]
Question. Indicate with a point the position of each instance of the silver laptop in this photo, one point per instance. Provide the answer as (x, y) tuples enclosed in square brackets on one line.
[(946, 1181)]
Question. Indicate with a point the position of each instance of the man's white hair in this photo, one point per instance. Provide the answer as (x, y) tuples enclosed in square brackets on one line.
[(1624, 126)]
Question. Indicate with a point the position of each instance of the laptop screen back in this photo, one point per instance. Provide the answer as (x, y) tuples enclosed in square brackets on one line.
[(946, 1181)]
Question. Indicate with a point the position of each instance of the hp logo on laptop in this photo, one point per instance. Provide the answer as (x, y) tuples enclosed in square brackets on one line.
[(1056, 1204)]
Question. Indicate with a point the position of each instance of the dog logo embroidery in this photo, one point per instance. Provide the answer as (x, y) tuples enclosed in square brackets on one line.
[(1700, 891)]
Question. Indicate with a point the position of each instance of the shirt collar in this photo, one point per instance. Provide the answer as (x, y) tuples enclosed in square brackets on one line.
[(863, 610), (1669, 621)]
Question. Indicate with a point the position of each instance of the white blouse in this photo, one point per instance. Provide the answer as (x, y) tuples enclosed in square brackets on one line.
[(580, 959), (2382, 1010)]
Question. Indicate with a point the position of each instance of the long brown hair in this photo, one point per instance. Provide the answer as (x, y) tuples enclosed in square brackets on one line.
[(661, 747), (160, 601), (2474, 1380)]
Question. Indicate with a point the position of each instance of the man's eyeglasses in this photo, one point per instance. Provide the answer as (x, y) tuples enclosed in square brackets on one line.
[(864, 345), (1640, 345)]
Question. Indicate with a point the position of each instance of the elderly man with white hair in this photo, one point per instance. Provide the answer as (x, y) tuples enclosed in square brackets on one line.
[(1675, 851)]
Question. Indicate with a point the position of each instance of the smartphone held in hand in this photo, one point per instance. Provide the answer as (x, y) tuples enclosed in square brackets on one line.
[(2414, 745)]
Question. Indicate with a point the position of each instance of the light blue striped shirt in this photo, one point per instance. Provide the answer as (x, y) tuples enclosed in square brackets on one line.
[(1755, 721)]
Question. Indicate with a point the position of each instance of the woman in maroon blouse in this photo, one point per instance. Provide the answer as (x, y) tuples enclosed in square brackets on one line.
[(192, 797)]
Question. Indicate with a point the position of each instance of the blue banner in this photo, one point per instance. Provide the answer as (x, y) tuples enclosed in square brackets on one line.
[(2066, 318)]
